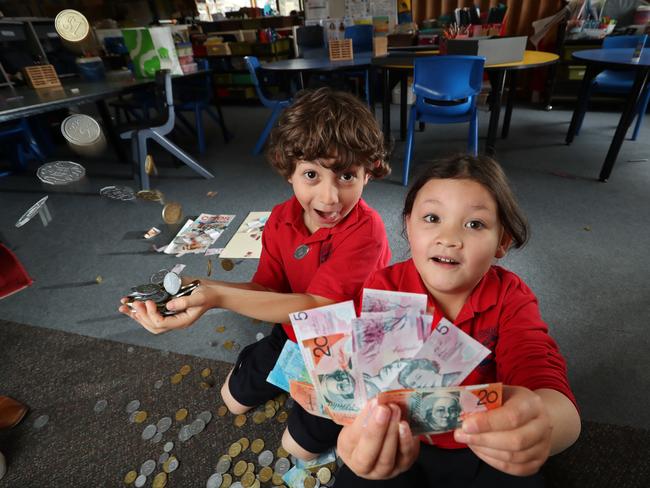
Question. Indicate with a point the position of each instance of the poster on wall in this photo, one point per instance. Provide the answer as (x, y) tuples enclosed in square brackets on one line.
[(404, 15), (316, 9)]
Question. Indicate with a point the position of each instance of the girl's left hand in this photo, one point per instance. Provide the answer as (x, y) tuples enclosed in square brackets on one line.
[(515, 438)]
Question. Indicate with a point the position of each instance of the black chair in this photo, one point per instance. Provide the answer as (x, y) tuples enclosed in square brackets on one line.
[(157, 128)]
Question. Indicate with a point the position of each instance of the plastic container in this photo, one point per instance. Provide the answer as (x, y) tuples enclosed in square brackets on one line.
[(91, 69), (83, 134), (410, 96)]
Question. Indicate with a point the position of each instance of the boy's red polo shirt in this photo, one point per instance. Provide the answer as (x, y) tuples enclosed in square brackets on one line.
[(331, 263), (503, 315)]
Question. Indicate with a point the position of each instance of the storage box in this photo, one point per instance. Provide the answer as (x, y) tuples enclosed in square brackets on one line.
[(379, 46), (222, 49), (497, 50)]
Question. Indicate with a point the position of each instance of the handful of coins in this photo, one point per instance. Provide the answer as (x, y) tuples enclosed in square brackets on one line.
[(161, 291)]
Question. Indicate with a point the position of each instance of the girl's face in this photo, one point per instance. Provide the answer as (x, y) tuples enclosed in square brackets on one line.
[(455, 234)]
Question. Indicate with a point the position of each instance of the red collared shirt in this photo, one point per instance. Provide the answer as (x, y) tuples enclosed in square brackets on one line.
[(503, 315), (331, 263)]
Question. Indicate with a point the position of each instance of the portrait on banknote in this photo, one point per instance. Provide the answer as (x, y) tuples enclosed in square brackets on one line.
[(440, 411)]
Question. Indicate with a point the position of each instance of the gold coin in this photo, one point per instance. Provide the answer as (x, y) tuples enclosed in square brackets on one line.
[(244, 442), (257, 445), (240, 468), (220, 329), (206, 372), (310, 482), (266, 473), (211, 194), (269, 403), (209, 267), (227, 264), (172, 213), (240, 420), (150, 195), (276, 479), (181, 414), (176, 379), (282, 416), (235, 449), (71, 25), (205, 385), (140, 417), (250, 468), (247, 479), (98, 279), (185, 370), (259, 417), (269, 412), (331, 466), (228, 345), (282, 452), (324, 475), (226, 480), (130, 477), (149, 166), (160, 480), (281, 398), (256, 484), (222, 410)]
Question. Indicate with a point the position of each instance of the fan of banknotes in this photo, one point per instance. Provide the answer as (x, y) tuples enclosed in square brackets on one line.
[(392, 352)]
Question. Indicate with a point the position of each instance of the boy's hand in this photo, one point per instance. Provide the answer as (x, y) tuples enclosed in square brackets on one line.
[(189, 309), (377, 445), (515, 438)]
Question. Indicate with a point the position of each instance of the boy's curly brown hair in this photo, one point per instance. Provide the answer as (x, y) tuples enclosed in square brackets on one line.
[(324, 124)]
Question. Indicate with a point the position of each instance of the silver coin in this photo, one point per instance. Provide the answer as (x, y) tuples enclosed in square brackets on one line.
[(197, 426), (282, 465), (330, 482), (223, 466), (147, 289), (31, 212), (214, 481), (60, 172), (130, 350), (172, 283), (140, 481), (265, 458), (237, 484), (158, 277), (206, 416), (148, 432), (184, 434), (132, 406), (122, 193), (158, 384), (157, 438), (259, 336), (164, 424), (132, 416), (163, 457), (173, 464), (148, 467), (100, 406), (41, 421), (301, 251), (168, 446)]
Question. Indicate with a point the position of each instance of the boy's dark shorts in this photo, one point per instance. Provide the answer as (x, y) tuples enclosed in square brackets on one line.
[(249, 387)]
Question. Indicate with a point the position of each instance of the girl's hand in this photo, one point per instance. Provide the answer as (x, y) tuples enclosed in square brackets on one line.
[(189, 309), (515, 438), (378, 445)]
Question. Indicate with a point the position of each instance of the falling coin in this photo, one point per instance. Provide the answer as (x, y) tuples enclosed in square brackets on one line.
[(130, 477), (185, 369), (150, 195), (172, 283), (211, 194), (257, 445), (227, 264), (240, 420), (177, 378), (181, 414), (209, 267), (222, 410), (172, 213), (98, 279), (149, 166), (71, 25)]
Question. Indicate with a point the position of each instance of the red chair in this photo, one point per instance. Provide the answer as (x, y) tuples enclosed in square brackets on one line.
[(13, 276)]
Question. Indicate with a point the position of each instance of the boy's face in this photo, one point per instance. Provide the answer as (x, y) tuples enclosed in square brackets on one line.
[(326, 197), (454, 233)]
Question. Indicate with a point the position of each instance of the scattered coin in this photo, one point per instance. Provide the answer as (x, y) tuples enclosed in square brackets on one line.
[(205, 385), (185, 434), (181, 414), (172, 213), (168, 446), (220, 328), (98, 279), (41, 421), (331, 481), (197, 426), (309, 482), (265, 474), (256, 484), (60, 172), (150, 195), (130, 477), (163, 457), (223, 410), (259, 417), (257, 445), (140, 481), (269, 411), (148, 467), (240, 468), (227, 481), (259, 336), (282, 416), (235, 449), (228, 345), (100, 406), (227, 264), (209, 267), (324, 475), (123, 193), (214, 481), (282, 465), (276, 479), (265, 458), (140, 416), (38, 208), (148, 433), (247, 479), (206, 372), (240, 420), (160, 480), (244, 442), (158, 384), (164, 424), (223, 465), (176, 378), (170, 465), (282, 452), (250, 467), (185, 369), (71, 25)]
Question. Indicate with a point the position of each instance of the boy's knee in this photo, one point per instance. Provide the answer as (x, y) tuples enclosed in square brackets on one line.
[(292, 447), (233, 405)]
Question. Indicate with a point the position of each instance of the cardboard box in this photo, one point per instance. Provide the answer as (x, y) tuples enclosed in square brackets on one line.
[(497, 50)]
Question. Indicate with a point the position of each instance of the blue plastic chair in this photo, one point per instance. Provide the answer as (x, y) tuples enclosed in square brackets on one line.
[(610, 81), (445, 88), (276, 106), (361, 36), (25, 145), (195, 95)]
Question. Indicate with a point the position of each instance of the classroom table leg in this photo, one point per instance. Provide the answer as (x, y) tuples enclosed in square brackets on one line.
[(624, 123), (403, 92), (497, 77), (386, 103), (583, 99), (112, 135), (512, 93)]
